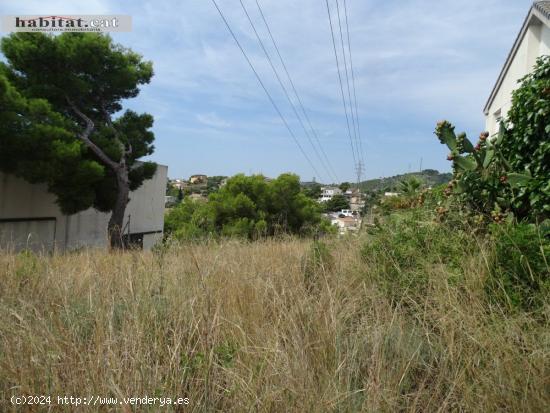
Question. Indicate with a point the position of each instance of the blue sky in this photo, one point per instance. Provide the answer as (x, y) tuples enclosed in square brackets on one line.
[(416, 62)]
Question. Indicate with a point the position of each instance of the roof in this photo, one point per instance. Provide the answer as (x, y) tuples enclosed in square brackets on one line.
[(543, 7), (540, 10)]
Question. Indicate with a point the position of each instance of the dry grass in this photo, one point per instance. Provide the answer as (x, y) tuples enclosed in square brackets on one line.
[(238, 327)]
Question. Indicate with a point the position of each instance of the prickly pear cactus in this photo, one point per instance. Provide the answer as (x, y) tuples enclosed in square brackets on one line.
[(481, 177)]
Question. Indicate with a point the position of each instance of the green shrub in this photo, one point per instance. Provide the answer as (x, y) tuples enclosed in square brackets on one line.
[(526, 143), (508, 173), (248, 207), (520, 271), (401, 251)]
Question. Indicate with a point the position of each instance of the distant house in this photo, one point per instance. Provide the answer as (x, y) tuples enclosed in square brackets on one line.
[(328, 192), (170, 201), (198, 179), (30, 218), (197, 197), (355, 198), (532, 42), (179, 183), (346, 223), (346, 213)]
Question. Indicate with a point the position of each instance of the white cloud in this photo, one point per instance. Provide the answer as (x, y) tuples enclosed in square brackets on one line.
[(413, 59), (211, 119)]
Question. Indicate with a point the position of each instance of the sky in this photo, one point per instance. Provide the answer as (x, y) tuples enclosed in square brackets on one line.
[(415, 62)]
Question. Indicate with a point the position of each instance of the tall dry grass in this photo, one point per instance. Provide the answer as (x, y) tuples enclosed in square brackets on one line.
[(264, 326)]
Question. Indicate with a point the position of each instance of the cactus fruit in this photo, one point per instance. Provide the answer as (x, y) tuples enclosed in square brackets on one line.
[(481, 177)]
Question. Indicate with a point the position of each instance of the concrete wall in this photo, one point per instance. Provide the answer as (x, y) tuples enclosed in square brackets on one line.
[(535, 43), (29, 217)]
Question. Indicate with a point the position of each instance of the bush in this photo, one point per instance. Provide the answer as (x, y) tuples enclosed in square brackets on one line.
[(520, 271), (509, 173), (402, 250), (248, 207), (526, 143)]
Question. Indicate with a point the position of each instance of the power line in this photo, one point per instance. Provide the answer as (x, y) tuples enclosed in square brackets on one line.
[(264, 88), (353, 118), (314, 132), (284, 89), (341, 85), (353, 81)]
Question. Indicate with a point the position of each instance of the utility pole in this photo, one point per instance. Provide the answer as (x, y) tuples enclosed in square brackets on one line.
[(420, 165), (359, 171)]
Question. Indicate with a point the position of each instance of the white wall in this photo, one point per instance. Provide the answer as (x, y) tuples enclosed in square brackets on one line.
[(535, 43), (24, 208)]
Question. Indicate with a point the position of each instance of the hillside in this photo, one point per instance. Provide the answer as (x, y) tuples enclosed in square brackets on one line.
[(430, 177)]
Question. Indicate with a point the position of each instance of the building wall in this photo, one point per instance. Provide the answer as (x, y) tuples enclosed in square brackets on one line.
[(535, 43), (30, 218)]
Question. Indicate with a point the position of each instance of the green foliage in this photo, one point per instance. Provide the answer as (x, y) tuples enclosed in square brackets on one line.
[(336, 203), (214, 183), (430, 177), (410, 242), (520, 269), (510, 172), (410, 186), (313, 191), (171, 190), (479, 173), (46, 77), (37, 143), (526, 143), (344, 186), (248, 207), (391, 204)]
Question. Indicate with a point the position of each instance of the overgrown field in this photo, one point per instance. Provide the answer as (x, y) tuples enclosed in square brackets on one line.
[(389, 321)]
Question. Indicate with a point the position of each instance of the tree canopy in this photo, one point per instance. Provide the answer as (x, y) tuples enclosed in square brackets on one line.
[(344, 186), (337, 203), (248, 206), (58, 100)]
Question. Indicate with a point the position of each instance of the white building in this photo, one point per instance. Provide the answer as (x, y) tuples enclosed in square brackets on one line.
[(346, 224), (30, 218), (532, 42), (328, 192)]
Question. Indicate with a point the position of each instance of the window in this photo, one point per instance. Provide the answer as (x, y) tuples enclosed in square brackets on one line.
[(498, 117)]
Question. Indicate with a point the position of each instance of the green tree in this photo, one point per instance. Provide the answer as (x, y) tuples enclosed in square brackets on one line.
[(313, 191), (171, 190), (344, 186), (337, 203), (526, 142), (214, 183), (248, 207), (37, 143), (73, 85), (410, 186)]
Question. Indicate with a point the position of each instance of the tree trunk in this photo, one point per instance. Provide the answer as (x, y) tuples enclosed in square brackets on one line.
[(116, 222), (115, 227)]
